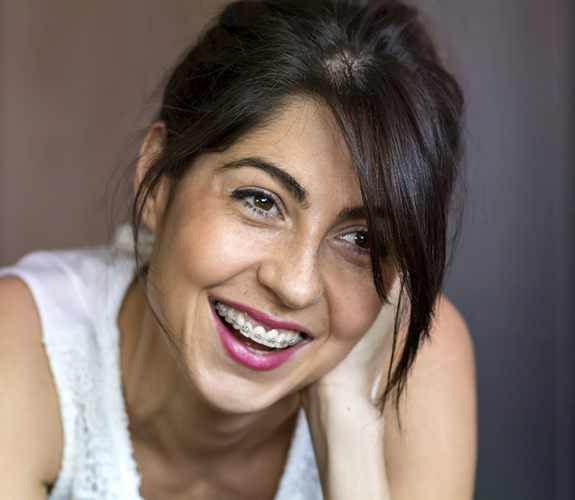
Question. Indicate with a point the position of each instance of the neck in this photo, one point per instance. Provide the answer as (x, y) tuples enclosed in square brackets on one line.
[(164, 410)]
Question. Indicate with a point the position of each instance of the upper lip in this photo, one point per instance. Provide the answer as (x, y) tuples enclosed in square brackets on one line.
[(264, 318)]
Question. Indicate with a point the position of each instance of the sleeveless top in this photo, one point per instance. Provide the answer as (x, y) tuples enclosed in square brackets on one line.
[(78, 295)]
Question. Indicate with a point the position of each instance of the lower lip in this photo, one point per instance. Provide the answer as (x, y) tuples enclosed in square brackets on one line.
[(248, 358)]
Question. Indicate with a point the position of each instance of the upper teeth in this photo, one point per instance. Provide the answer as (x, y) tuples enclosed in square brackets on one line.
[(277, 339)]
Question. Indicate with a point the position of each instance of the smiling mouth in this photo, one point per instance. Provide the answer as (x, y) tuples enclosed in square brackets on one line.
[(255, 335)]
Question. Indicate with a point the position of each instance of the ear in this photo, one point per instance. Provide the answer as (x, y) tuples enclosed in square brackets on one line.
[(150, 151)]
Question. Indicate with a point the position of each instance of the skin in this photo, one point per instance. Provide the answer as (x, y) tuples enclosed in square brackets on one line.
[(195, 414)]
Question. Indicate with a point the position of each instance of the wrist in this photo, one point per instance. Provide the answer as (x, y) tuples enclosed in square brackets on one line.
[(341, 405), (347, 430), (348, 437)]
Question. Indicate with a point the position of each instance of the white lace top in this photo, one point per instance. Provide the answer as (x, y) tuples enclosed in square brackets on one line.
[(78, 295)]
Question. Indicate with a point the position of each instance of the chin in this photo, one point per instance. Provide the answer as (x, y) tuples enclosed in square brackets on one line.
[(230, 394), (239, 405)]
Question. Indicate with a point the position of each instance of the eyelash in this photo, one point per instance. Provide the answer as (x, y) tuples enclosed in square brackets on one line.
[(362, 252), (245, 193)]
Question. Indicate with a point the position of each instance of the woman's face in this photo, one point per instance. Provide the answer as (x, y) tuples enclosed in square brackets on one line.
[(261, 243)]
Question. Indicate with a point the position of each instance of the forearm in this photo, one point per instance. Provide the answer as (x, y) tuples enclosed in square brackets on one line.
[(347, 432)]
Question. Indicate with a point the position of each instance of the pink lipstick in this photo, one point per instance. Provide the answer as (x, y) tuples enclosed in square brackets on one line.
[(239, 350)]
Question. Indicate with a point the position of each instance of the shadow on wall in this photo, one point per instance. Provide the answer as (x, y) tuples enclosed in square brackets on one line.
[(514, 276)]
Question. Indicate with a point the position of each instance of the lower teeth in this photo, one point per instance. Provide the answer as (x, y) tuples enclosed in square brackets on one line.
[(257, 351)]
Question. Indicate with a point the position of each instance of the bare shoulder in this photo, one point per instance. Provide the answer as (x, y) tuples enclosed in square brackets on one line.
[(30, 429), (432, 453)]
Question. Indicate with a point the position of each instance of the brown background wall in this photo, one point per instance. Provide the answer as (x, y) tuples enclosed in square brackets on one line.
[(77, 82)]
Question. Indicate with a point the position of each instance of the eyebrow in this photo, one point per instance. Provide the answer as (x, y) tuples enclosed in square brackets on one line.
[(288, 181), (352, 213)]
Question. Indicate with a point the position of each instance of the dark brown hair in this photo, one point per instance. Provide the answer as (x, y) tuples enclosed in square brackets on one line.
[(373, 65)]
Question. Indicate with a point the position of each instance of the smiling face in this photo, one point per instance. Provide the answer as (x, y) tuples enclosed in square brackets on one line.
[(265, 240)]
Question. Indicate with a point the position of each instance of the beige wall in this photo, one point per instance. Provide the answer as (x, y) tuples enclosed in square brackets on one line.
[(77, 79)]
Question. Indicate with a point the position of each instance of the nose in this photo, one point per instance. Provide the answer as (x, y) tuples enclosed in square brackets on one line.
[(292, 273)]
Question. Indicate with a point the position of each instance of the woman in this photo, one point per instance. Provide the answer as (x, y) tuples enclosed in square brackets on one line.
[(295, 186)]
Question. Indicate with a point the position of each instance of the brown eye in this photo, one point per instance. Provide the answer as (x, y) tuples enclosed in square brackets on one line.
[(259, 203), (357, 242), (361, 239), (263, 202)]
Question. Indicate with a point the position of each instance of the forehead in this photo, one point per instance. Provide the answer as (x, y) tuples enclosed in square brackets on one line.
[(305, 141)]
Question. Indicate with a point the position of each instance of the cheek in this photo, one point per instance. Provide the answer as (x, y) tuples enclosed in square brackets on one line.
[(354, 306), (353, 311), (205, 249), (357, 304)]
